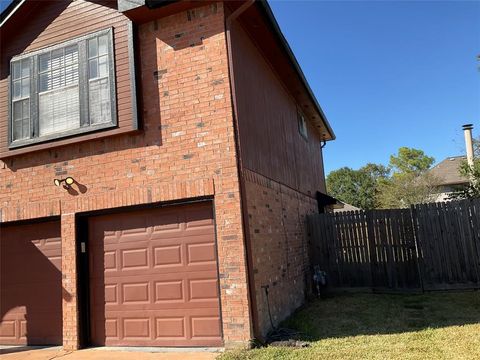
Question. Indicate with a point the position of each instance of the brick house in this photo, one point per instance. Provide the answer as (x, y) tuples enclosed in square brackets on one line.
[(157, 162)]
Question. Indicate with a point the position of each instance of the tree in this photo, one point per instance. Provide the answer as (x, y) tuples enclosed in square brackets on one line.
[(410, 160), (472, 190), (410, 182), (357, 187), (376, 171), (404, 182), (476, 147), (406, 190)]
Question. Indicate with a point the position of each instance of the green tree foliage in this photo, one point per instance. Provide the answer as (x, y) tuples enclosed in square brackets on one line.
[(476, 148), (357, 187), (410, 160), (410, 182), (376, 171), (402, 191), (404, 182), (472, 190)]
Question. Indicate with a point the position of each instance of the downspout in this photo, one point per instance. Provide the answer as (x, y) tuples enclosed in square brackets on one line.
[(243, 201)]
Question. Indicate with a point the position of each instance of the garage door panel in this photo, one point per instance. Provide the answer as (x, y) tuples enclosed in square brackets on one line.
[(170, 328), (160, 295), (155, 256), (111, 227), (31, 291), (29, 277), (8, 329), (203, 290), (138, 327), (169, 223), (164, 271), (110, 261), (167, 255), (134, 259), (204, 327), (156, 286), (166, 288), (167, 342), (112, 330), (152, 326), (201, 253), (100, 261), (38, 298)]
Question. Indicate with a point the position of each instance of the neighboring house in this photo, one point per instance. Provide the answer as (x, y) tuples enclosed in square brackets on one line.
[(329, 204), (194, 145), (343, 206), (449, 177)]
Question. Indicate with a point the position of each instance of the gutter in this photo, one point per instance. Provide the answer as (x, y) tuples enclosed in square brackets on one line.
[(243, 201), (10, 10)]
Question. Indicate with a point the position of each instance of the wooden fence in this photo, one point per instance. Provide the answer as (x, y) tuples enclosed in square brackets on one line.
[(427, 247)]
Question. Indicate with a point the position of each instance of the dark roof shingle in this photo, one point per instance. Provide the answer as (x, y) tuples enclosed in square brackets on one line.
[(448, 172)]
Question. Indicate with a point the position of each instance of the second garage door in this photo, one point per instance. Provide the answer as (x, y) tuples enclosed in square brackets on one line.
[(31, 284), (153, 278)]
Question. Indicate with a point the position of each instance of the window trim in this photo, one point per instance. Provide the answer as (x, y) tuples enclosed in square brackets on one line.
[(83, 88)]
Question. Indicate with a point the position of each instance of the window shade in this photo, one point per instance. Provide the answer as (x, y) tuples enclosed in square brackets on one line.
[(59, 102)]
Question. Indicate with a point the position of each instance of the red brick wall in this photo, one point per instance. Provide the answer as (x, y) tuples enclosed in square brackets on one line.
[(186, 150), (276, 217)]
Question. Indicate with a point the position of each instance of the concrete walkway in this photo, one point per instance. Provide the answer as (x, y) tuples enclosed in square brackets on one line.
[(53, 353)]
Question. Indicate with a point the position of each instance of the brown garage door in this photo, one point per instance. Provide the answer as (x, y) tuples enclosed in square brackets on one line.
[(153, 278), (31, 284)]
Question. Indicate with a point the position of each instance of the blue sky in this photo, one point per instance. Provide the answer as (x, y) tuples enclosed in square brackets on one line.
[(4, 4), (388, 73)]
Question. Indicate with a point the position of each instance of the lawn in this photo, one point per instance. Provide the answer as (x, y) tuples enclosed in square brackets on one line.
[(378, 326)]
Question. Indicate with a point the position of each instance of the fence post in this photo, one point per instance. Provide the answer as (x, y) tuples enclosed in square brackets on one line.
[(372, 255), (418, 253), (475, 226)]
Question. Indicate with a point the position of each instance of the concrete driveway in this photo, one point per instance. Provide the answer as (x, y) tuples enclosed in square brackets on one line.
[(50, 353)]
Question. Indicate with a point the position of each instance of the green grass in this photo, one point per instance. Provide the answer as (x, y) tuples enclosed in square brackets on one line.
[(374, 326)]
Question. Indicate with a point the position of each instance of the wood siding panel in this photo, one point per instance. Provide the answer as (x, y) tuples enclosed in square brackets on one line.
[(270, 141), (53, 22)]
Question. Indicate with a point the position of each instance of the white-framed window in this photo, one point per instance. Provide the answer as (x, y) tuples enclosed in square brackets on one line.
[(63, 90), (302, 125)]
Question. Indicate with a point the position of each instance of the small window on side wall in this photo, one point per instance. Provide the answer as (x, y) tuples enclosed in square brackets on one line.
[(63, 90), (302, 125)]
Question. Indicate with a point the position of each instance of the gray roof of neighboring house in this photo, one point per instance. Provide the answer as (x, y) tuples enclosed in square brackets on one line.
[(344, 207), (448, 172)]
